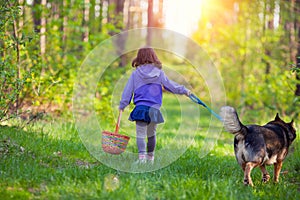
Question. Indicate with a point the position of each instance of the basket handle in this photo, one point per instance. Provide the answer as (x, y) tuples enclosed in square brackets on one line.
[(118, 122)]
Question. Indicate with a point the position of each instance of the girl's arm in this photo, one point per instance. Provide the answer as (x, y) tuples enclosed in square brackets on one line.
[(173, 87), (127, 93)]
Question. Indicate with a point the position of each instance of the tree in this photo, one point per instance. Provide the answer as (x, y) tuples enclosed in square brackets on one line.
[(64, 25), (116, 18), (150, 22), (39, 19), (100, 15), (297, 59), (85, 20), (154, 19), (268, 26), (13, 48), (134, 14), (43, 29), (36, 15), (115, 15)]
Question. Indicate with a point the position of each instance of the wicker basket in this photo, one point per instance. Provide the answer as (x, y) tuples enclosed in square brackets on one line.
[(114, 143)]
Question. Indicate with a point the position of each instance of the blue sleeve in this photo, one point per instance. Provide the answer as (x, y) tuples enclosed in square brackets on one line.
[(127, 93), (172, 86)]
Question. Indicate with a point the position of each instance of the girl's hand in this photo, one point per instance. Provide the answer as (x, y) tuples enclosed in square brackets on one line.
[(188, 93)]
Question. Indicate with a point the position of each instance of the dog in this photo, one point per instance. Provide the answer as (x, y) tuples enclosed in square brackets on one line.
[(258, 146)]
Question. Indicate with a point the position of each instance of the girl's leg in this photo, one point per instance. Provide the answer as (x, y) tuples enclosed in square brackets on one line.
[(151, 134), (141, 133)]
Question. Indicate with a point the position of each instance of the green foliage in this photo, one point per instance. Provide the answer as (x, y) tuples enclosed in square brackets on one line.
[(105, 88), (13, 80), (253, 60), (248, 54), (42, 81), (276, 94), (11, 88), (295, 68)]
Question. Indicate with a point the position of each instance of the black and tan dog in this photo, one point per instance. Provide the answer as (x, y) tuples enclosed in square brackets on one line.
[(256, 145)]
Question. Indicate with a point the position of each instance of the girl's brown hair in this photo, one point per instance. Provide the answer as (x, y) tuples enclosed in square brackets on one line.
[(146, 55)]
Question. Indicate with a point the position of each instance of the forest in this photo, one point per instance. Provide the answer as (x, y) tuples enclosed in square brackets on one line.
[(43, 43), (227, 52)]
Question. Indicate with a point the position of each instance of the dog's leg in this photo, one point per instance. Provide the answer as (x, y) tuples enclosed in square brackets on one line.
[(247, 173), (266, 176), (243, 165), (277, 169)]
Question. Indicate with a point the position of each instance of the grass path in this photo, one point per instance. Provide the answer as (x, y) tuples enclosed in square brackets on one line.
[(52, 163), (35, 166)]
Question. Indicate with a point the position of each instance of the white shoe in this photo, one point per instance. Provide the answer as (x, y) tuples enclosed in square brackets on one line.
[(142, 159), (150, 159)]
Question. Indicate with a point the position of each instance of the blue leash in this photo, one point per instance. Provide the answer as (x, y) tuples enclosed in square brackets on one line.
[(198, 101)]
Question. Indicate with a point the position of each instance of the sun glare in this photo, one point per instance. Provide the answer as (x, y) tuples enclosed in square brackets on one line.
[(182, 16)]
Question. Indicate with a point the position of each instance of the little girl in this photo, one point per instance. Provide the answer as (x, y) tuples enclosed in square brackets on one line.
[(145, 86)]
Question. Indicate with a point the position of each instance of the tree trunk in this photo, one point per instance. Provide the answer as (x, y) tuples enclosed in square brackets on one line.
[(36, 15), (56, 8), (297, 26), (115, 17), (21, 18), (129, 16), (100, 15), (43, 29), (134, 14), (120, 7), (160, 13), (85, 21), (92, 12), (150, 22), (268, 26), (158, 17), (291, 29), (64, 25), (18, 63)]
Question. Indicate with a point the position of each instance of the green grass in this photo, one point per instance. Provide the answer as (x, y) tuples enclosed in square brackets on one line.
[(49, 161)]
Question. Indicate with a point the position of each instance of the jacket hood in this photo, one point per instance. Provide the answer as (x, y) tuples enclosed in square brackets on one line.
[(148, 71)]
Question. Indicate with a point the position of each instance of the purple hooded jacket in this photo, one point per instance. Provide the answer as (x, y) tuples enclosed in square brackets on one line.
[(145, 83)]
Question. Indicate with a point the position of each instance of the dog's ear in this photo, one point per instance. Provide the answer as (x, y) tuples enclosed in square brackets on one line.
[(277, 118), (292, 122)]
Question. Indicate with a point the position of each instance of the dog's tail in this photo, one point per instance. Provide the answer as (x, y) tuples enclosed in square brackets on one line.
[(231, 120)]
